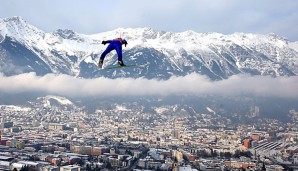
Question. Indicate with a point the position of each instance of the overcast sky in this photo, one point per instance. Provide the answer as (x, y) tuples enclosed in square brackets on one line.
[(223, 16)]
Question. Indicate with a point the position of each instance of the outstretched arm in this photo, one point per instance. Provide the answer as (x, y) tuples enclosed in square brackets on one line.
[(106, 41)]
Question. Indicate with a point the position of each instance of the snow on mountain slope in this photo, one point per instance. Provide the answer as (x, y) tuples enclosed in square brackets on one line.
[(294, 45), (14, 108), (266, 54), (18, 28), (60, 50), (49, 101), (167, 53)]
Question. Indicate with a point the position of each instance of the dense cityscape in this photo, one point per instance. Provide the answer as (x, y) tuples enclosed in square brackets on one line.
[(49, 138)]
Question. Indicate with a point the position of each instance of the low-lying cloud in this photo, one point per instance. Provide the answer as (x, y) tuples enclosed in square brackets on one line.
[(192, 84)]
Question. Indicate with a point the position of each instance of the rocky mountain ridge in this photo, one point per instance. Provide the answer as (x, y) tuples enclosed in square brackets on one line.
[(157, 54)]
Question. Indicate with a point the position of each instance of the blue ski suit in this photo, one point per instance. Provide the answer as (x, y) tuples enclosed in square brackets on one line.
[(115, 44)]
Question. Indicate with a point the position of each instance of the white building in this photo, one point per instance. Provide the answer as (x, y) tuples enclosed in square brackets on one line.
[(70, 168)]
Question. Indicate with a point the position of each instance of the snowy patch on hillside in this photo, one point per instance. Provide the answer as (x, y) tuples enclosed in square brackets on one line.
[(161, 110), (121, 108), (60, 100), (210, 110), (14, 108)]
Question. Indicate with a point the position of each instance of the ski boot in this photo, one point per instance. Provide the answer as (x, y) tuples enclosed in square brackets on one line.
[(100, 63), (120, 63)]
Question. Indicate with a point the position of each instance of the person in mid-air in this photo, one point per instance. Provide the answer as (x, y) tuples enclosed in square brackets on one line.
[(115, 44)]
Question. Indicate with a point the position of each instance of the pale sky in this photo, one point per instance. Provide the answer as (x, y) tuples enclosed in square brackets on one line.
[(222, 16)]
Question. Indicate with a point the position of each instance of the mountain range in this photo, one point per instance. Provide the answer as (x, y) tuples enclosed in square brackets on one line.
[(157, 54)]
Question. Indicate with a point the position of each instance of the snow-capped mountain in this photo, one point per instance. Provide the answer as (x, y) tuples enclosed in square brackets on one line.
[(158, 54)]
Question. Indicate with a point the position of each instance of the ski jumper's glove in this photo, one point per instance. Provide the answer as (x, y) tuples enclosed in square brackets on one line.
[(104, 42), (124, 42)]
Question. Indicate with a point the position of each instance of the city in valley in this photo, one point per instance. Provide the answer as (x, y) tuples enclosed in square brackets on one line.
[(45, 137)]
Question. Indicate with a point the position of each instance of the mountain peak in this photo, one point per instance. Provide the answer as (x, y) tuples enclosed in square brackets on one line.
[(65, 33), (13, 19), (68, 34), (276, 37), (18, 28), (10, 22)]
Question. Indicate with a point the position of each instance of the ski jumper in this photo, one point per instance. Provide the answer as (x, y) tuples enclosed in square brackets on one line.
[(115, 44)]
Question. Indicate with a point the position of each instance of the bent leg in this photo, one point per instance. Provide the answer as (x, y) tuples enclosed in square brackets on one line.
[(108, 50), (119, 52)]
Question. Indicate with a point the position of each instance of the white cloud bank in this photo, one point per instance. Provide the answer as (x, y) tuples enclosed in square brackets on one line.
[(192, 84)]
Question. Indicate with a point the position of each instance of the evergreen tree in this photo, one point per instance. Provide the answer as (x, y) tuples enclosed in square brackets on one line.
[(25, 168)]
